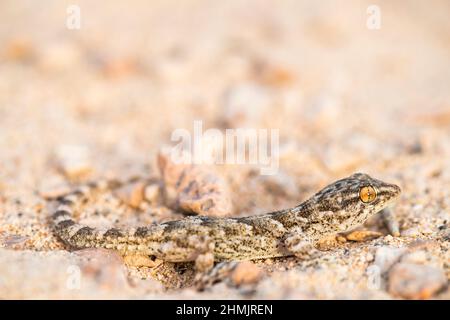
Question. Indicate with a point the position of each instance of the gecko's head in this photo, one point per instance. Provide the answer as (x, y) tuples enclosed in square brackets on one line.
[(355, 198)]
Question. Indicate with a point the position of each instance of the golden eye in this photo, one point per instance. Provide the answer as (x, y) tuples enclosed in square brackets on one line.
[(367, 194)]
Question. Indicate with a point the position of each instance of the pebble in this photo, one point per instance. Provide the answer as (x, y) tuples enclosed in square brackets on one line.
[(59, 56), (246, 273), (53, 192), (416, 257), (415, 281), (194, 188), (324, 110), (53, 186), (427, 230), (275, 75), (424, 245), (152, 193), (132, 194), (363, 235), (19, 49), (11, 240), (74, 160), (245, 104), (385, 257), (118, 67), (141, 261), (411, 232)]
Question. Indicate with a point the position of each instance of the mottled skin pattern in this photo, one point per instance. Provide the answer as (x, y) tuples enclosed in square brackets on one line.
[(336, 208)]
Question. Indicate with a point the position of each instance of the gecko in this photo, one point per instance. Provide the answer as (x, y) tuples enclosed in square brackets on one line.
[(339, 207)]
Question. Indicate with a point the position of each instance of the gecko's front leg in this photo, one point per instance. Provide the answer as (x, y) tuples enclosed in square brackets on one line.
[(197, 248), (219, 272), (390, 222), (204, 253), (300, 245), (204, 262)]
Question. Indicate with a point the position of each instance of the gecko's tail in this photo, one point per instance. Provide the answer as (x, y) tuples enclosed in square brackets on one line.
[(80, 236)]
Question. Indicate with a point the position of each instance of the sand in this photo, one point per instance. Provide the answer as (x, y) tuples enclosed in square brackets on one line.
[(101, 101)]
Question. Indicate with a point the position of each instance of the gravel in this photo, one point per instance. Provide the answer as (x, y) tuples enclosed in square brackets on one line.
[(100, 102)]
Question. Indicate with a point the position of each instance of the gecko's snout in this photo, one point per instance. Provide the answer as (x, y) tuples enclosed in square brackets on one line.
[(397, 189), (390, 191)]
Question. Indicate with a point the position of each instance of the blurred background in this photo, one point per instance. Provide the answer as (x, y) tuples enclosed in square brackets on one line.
[(344, 97), (135, 71)]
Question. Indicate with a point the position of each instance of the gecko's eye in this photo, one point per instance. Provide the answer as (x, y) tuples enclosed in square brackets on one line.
[(367, 194)]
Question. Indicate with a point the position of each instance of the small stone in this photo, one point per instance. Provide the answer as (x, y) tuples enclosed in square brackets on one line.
[(244, 105), (246, 273), (363, 235), (152, 193), (369, 257), (54, 192), (411, 232), (424, 245), (58, 56), (105, 267), (388, 238), (74, 160), (119, 67), (197, 189), (38, 207), (141, 261), (385, 257), (323, 110), (416, 257), (132, 194), (53, 186), (414, 281), (427, 230), (276, 75), (19, 49), (11, 240)]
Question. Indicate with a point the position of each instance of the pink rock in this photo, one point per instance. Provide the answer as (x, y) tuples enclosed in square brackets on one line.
[(415, 281), (194, 189)]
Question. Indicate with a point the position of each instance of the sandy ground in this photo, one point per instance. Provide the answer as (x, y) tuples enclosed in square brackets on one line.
[(80, 105)]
